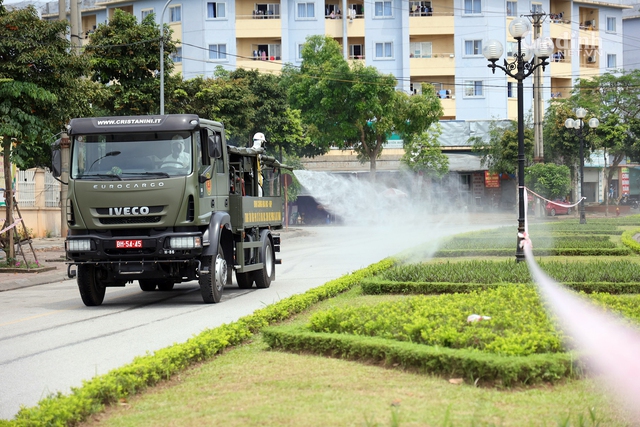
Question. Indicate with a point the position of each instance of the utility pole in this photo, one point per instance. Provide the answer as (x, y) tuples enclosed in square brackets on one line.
[(537, 19)]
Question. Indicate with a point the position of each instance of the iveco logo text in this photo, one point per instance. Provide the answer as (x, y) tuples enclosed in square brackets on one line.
[(125, 186), (135, 210)]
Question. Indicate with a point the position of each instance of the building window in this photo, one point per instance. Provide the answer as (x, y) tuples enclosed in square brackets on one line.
[(299, 52), (473, 47), (510, 92), (177, 56), (384, 50), (356, 51), (216, 10), (218, 51), (472, 7), (512, 49), (611, 25), (512, 8), (144, 13), (267, 10), (306, 10), (536, 7), (175, 14), (473, 88), (420, 49), (383, 9), (611, 61)]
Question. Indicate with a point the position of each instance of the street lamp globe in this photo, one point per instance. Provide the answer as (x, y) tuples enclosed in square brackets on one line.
[(492, 50), (594, 123), (519, 27), (581, 113), (528, 54), (569, 123), (544, 47), (577, 124)]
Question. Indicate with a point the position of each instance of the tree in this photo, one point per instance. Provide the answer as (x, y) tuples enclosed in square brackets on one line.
[(615, 101), (423, 154), (500, 151), (38, 80), (125, 58), (354, 106), (549, 180)]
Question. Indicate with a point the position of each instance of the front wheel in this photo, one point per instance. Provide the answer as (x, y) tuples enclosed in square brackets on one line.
[(92, 289), (212, 283), (553, 212), (266, 274)]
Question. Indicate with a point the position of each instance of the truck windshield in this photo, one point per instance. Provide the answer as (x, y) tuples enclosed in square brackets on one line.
[(131, 156)]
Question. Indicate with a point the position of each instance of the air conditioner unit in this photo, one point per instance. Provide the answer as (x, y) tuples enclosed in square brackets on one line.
[(591, 59)]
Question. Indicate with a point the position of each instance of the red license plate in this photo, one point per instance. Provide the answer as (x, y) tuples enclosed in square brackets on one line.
[(127, 244)]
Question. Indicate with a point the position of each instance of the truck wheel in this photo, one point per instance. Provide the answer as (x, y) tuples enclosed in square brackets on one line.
[(245, 280), (165, 285), (265, 274), (147, 285), (212, 283), (91, 289)]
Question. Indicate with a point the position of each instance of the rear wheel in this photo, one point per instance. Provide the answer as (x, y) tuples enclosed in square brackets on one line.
[(147, 285), (212, 283), (92, 289), (264, 276), (245, 280), (553, 212)]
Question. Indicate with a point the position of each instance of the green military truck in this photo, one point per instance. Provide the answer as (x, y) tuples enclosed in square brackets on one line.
[(163, 200)]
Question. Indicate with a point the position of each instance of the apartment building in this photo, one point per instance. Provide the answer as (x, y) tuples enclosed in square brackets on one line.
[(438, 42)]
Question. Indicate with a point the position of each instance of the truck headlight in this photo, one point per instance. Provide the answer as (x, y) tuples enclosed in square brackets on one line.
[(190, 242), (78, 245)]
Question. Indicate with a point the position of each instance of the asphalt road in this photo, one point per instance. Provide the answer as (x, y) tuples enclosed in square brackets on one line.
[(50, 342)]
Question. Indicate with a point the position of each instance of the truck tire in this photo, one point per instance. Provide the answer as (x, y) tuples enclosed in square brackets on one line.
[(91, 289), (212, 283), (265, 274), (147, 285), (165, 285), (245, 280)]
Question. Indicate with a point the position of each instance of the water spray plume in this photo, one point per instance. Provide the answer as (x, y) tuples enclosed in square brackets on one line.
[(607, 344)]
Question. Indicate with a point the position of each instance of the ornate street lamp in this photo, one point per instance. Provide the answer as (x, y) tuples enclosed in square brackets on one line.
[(521, 67), (578, 124)]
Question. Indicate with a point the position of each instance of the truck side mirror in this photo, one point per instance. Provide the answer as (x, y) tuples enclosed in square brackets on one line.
[(215, 145), (56, 159)]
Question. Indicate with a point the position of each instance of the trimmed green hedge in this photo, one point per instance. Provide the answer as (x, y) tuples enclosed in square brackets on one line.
[(64, 410), (472, 365), (629, 241), (375, 286), (537, 252)]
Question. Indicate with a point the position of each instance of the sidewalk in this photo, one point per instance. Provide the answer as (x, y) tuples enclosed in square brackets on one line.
[(50, 254)]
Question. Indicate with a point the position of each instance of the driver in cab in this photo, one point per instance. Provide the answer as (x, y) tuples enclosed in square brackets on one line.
[(177, 155)]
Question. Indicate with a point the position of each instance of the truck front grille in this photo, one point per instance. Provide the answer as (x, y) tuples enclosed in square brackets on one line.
[(130, 220)]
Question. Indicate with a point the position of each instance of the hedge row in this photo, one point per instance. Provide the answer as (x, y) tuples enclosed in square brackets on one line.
[(375, 286), (629, 241), (65, 410), (453, 253), (474, 366)]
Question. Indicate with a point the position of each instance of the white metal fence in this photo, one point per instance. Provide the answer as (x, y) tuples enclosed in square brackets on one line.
[(26, 189)]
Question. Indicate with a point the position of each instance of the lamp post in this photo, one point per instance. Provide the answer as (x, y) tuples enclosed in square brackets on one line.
[(521, 67), (162, 56), (578, 125)]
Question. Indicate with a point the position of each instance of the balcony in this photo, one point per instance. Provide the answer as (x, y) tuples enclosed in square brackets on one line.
[(560, 68), (262, 66), (560, 30), (440, 64), (258, 28), (448, 108), (431, 25)]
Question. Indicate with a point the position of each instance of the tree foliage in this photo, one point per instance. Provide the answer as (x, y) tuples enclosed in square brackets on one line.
[(423, 154), (125, 58), (500, 151), (549, 180)]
